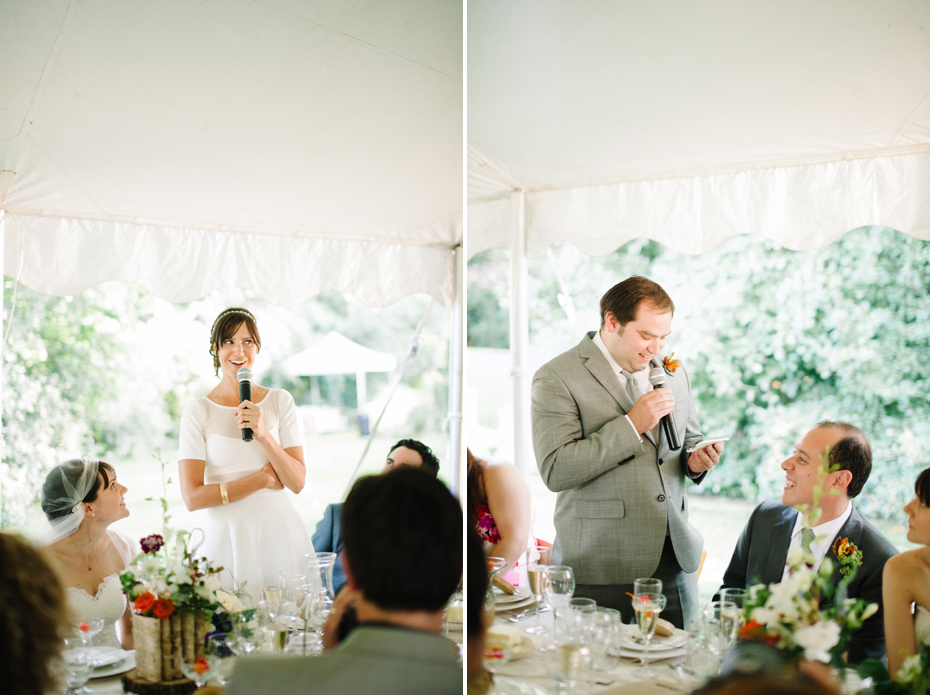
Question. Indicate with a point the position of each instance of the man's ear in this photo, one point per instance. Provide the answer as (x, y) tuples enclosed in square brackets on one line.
[(842, 480)]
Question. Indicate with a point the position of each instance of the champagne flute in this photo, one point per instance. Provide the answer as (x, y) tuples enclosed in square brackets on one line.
[(648, 602), (537, 574), (271, 592), (559, 590), (734, 618)]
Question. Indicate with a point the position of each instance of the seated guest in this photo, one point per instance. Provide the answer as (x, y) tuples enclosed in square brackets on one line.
[(406, 452), (823, 494), (33, 618), (402, 552), (81, 499), (499, 510), (906, 584)]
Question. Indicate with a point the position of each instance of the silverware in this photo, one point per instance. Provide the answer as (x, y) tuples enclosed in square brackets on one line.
[(517, 617)]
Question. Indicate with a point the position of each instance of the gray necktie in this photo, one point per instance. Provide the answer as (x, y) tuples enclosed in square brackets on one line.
[(807, 537), (632, 385)]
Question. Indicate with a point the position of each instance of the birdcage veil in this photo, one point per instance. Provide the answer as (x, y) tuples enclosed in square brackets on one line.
[(65, 487)]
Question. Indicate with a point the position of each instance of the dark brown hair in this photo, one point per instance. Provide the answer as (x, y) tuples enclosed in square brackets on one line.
[(33, 615), (852, 453), (54, 486), (225, 327), (624, 299), (922, 487), (475, 493)]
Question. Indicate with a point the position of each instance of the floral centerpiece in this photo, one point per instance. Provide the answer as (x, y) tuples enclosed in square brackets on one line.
[(171, 591), (913, 677), (806, 615)]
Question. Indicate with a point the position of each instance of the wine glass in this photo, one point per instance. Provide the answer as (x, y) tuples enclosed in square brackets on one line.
[(199, 670), (559, 590), (87, 629), (600, 629), (220, 648), (733, 618), (564, 656), (537, 574), (76, 662), (248, 631), (648, 602)]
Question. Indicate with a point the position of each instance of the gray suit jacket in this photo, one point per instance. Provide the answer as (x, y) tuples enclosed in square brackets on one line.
[(376, 659), (762, 549), (617, 496), (326, 539)]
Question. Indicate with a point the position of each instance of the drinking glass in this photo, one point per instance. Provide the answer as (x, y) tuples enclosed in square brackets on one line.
[(320, 580), (648, 602), (220, 648), (601, 630), (271, 591), (734, 618), (701, 663), (248, 631), (559, 590), (199, 670), (77, 663), (537, 574), (293, 597), (564, 656), (86, 629), (718, 625)]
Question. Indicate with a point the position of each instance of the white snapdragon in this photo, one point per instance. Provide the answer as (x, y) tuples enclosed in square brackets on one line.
[(816, 640), (869, 611)]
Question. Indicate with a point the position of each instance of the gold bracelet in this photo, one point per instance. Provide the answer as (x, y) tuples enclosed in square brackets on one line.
[(223, 493)]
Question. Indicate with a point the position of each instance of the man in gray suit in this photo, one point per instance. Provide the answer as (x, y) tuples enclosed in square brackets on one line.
[(402, 551), (622, 508), (824, 496)]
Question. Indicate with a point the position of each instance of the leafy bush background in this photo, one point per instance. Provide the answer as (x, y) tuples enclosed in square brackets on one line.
[(774, 340)]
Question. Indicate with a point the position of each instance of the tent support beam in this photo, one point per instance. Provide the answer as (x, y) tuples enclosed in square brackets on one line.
[(520, 335), (456, 361)]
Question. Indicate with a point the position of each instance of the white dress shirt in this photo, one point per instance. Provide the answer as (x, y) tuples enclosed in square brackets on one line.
[(823, 539), (642, 378)]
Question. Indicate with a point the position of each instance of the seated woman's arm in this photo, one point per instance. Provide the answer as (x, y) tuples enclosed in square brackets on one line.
[(125, 629), (898, 578), (197, 495), (509, 501)]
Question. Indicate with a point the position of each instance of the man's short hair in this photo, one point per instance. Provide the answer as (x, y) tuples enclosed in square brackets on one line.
[(477, 583), (430, 462), (624, 299), (402, 536), (852, 453)]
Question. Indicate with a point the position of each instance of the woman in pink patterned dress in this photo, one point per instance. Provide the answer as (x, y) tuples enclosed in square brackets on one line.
[(499, 510)]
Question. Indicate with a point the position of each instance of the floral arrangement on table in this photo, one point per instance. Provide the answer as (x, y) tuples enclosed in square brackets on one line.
[(788, 615), (913, 677)]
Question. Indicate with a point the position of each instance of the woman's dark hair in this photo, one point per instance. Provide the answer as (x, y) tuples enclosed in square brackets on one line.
[(477, 583), (54, 487), (922, 487), (225, 327), (33, 613), (475, 493)]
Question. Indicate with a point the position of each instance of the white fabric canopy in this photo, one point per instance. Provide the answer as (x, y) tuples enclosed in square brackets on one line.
[(689, 122), (283, 146), (336, 354)]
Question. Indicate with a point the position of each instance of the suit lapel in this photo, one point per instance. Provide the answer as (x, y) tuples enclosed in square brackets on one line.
[(597, 364), (774, 566)]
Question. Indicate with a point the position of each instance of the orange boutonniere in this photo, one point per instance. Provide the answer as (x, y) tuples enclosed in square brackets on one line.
[(848, 555), (671, 364)]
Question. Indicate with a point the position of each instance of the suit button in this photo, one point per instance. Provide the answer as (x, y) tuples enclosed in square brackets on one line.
[(661, 498), (661, 462)]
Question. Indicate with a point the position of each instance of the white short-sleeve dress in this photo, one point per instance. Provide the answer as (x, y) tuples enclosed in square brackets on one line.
[(261, 533)]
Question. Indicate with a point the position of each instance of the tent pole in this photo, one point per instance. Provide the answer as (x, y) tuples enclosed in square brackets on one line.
[(520, 335), (456, 353)]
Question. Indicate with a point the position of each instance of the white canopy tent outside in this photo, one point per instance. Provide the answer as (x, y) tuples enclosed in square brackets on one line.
[(286, 147), (336, 354), (596, 123)]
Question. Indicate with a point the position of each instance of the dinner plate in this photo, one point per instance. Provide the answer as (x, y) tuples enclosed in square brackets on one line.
[(520, 595), (115, 669), (654, 656), (512, 686), (660, 643), (519, 605), (106, 656)]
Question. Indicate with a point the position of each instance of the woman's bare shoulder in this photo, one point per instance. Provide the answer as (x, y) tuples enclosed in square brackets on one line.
[(911, 562)]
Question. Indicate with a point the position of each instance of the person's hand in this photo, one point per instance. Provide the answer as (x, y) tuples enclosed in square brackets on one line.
[(344, 599), (274, 482), (706, 458), (651, 407), (250, 415)]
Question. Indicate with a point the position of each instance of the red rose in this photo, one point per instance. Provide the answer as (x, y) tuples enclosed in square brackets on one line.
[(143, 603), (163, 608)]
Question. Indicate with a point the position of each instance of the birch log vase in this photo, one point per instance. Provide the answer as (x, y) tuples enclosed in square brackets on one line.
[(147, 633)]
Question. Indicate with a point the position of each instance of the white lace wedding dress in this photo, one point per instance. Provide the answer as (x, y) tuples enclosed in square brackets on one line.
[(921, 627), (109, 603)]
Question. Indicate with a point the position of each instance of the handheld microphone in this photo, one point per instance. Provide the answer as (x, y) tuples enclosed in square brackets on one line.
[(657, 379), (245, 394)]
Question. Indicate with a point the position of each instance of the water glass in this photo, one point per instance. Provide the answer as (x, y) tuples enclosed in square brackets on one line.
[(701, 662), (559, 590), (599, 635), (614, 636), (220, 648), (738, 598), (247, 630), (86, 629), (564, 655), (77, 664), (718, 625), (199, 670)]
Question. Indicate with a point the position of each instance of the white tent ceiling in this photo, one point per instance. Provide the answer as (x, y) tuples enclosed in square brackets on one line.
[(691, 122), (284, 146)]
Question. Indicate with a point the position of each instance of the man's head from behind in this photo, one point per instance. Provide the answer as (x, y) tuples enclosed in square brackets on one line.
[(402, 540), (848, 465), (410, 452)]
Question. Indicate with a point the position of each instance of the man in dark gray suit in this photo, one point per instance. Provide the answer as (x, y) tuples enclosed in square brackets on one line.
[(622, 509), (815, 510), (402, 535)]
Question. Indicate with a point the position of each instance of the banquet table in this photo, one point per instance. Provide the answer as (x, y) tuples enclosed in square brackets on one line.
[(620, 676)]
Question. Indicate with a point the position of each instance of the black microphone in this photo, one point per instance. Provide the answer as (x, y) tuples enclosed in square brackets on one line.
[(245, 394), (657, 379)]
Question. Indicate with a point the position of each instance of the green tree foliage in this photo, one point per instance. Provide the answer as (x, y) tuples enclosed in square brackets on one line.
[(774, 341)]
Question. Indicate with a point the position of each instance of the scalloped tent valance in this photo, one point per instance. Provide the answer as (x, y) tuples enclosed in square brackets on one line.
[(689, 123), (286, 148)]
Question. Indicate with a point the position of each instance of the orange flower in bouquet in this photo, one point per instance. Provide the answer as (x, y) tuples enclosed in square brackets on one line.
[(163, 608), (144, 603)]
